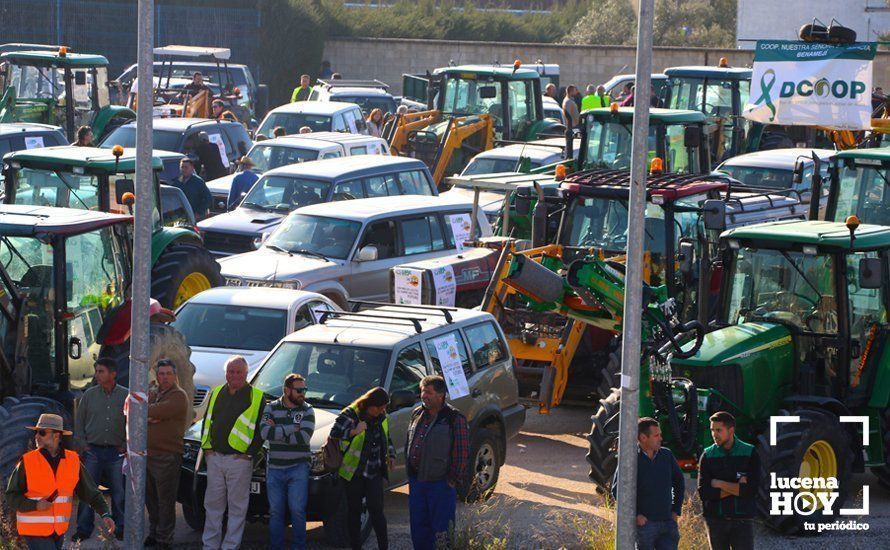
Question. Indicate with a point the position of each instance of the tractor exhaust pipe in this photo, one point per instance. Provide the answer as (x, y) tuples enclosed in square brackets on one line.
[(539, 219)]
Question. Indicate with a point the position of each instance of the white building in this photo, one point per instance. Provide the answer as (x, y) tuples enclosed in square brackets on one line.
[(762, 19)]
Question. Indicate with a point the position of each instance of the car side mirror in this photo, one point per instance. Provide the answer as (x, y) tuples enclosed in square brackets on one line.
[(870, 272), (798, 172), (367, 254), (402, 399), (692, 137), (714, 213), (686, 256)]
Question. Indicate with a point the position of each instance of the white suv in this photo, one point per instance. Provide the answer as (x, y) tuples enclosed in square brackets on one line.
[(345, 249)]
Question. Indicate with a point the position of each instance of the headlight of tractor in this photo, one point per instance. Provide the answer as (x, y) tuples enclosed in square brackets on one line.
[(316, 465)]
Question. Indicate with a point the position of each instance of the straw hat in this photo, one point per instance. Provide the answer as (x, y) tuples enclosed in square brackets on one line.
[(246, 161), (50, 422)]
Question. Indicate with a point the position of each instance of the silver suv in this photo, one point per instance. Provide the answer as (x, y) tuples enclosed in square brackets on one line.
[(344, 249), (393, 346)]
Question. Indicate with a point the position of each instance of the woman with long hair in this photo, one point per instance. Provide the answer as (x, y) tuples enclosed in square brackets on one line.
[(375, 122), (363, 431)]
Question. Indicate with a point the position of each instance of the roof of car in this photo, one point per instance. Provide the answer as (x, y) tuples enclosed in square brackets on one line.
[(352, 166), (359, 91), (777, 158), (274, 298), (317, 140), (315, 107), (22, 220), (180, 124), (90, 158), (386, 325), (516, 150), (368, 209), (26, 127)]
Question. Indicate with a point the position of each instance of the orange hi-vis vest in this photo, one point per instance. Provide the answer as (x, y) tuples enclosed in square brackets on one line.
[(41, 484)]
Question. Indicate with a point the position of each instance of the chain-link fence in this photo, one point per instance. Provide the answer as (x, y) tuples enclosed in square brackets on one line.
[(109, 28)]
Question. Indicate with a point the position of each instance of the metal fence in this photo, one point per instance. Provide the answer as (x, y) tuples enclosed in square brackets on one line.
[(109, 28)]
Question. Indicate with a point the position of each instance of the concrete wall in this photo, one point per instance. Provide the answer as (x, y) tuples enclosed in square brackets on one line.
[(387, 59)]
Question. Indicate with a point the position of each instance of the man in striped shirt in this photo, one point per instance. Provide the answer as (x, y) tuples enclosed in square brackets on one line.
[(287, 425)]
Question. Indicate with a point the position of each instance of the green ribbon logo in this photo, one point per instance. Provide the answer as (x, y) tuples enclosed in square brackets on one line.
[(765, 88)]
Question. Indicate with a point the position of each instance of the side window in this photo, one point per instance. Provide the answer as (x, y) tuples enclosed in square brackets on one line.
[(350, 118), (304, 317), (382, 186), (415, 182), (485, 345), (339, 124), (316, 308), (360, 126), (409, 370), (383, 236), (358, 151), (461, 349), (422, 235), (349, 190), (331, 155)]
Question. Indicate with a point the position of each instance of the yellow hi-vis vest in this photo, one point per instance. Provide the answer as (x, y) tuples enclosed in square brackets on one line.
[(242, 432), (295, 95), (352, 449), (594, 101)]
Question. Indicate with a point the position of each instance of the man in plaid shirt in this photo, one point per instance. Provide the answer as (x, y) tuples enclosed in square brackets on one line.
[(438, 449)]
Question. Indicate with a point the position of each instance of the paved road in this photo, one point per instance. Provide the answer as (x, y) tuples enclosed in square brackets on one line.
[(544, 500)]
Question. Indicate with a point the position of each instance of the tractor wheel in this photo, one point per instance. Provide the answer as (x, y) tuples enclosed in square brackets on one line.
[(610, 375), (15, 415), (881, 472), (603, 439), (182, 271), (817, 447)]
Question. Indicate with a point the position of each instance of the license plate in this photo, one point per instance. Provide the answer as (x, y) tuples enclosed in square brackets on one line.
[(254, 487)]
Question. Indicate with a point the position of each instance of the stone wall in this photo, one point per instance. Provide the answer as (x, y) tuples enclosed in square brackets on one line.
[(386, 59)]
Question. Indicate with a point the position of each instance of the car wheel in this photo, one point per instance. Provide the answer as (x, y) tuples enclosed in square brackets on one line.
[(194, 517), (484, 467)]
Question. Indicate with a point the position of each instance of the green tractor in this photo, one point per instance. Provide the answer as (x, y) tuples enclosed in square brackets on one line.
[(60, 88), (859, 185), (102, 179), (65, 278), (801, 330)]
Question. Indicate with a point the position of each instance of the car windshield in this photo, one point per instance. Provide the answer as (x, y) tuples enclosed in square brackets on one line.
[(335, 375), (125, 136), (230, 326), (285, 193), (330, 237), (292, 122), (267, 157), (369, 103), (864, 190), (784, 286), (491, 166)]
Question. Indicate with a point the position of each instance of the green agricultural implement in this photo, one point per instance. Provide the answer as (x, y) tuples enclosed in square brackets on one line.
[(60, 88), (102, 179), (801, 330)]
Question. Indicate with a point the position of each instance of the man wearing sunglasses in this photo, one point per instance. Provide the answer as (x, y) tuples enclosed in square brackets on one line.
[(287, 425), (42, 487)]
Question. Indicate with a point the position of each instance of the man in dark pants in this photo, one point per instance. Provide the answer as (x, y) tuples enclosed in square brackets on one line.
[(438, 449), (572, 116), (660, 490), (729, 473)]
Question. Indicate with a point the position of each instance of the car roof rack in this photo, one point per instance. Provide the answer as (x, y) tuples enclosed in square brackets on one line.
[(443, 310), (340, 83), (391, 320)]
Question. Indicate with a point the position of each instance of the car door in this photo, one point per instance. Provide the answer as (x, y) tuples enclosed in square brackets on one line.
[(488, 351), (409, 368), (437, 350), (369, 280)]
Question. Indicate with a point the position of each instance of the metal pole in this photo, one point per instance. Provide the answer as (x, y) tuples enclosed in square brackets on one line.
[(137, 417), (625, 534)]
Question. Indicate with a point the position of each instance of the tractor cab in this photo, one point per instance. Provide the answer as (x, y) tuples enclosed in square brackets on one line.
[(510, 95), (98, 179), (61, 88), (64, 274), (859, 184), (675, 136)]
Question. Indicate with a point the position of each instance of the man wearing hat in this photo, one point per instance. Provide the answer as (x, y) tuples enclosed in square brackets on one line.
[(242, 182), (42, 487)]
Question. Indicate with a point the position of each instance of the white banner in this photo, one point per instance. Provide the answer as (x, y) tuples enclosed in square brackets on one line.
[(408, 285), (812, 84), (460, 226), (445, 285), (452, 370)]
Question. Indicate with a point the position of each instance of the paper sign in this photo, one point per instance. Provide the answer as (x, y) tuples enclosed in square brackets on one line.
[(452, 371), (352, 127), (408, 286), (33, 142), (218, 140), (460, 227), (445, 285)]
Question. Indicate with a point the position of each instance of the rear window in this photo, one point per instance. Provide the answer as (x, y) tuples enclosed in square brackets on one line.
[(292, 122), (423, 234), (267, 157), (231, 327), (125, 136), (415, 182), (490, 166)]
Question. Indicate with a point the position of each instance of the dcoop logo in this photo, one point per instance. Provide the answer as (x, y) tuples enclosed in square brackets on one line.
[(823, 88), (806, 496)]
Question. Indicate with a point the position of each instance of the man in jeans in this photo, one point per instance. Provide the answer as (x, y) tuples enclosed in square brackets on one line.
[(438, 450), (288, 424), (100, 428), (729, 474), (168, 414), (660, 490), (230, 438)]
